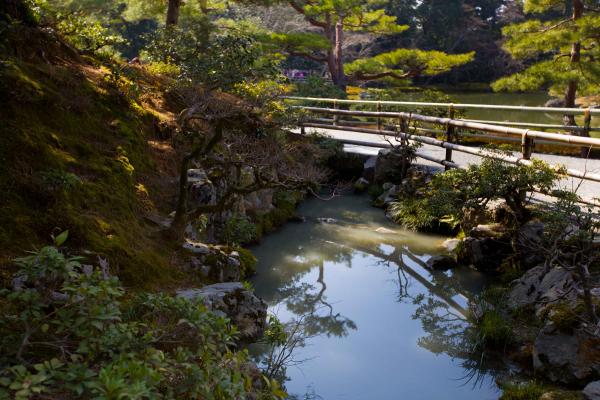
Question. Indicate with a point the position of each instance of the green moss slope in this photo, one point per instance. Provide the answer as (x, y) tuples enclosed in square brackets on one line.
[(75, 155)]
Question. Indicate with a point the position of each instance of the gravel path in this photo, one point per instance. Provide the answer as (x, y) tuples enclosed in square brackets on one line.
[(587, 189)]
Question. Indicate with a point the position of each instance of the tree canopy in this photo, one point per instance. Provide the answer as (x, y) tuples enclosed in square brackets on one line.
[(562, 53), (335, 19)]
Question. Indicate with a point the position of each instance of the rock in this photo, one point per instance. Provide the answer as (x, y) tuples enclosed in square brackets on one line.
[(297, 218), (568, 359), (441, 263), (259, 201), (472, 217), (592, 391), (388, 166), (361, 185), (501, 214), (213, 263), (385, 231), (488, 231), (561, 395), (196, 247), (451, 245), (529, 238), (484, 254), (388, 196), (200, 189), (387, 186), (555, 102), (369, 168), (246, 311), (327, 220), (540, 288)]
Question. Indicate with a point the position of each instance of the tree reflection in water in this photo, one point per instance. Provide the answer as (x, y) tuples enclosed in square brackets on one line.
[(439, 297)]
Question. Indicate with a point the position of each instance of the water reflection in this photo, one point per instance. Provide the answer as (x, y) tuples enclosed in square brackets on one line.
[(358, 290)]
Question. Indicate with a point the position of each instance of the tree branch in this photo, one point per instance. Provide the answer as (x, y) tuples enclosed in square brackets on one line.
[(310, 20), (308, 55)]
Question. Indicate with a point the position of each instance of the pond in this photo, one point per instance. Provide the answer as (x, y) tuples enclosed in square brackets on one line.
[(531, 99), (376, 323)]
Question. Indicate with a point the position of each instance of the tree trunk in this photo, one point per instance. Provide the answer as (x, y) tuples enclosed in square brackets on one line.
[(176, 230), (173, 12), (338, 55), (571, 91), (17, 10)]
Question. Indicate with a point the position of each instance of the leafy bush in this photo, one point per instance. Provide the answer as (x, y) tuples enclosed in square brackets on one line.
[(239, 230), (493, 330), (227, 59), (68, 331), (490, 328), (413, 214), (248, 262), (449, 193), (316, 86)]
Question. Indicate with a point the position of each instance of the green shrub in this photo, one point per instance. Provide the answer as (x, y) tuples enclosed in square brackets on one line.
[(449, 193), (492, 330), (316, 86), (239, 230), (248, 262), (419, 215), (68, 331), (522, 391)]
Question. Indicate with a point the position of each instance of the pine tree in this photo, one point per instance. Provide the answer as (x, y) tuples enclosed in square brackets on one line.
[(334, 18), (563, 53)]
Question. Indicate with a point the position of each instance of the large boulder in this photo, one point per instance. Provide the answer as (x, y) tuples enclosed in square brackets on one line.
[(201, 190), (389, 195), (361, 185), (592, 391), (568, 359), (441, 263), (539, 288), (485, 254), (369, 168), (245, 310), (388, 167), (529, 240), (215, 263)]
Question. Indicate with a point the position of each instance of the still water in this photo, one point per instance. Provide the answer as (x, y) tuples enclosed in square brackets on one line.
[(531, 99), (378, 324)]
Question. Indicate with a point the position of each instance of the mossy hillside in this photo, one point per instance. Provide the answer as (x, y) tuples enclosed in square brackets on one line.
[(74, 151)]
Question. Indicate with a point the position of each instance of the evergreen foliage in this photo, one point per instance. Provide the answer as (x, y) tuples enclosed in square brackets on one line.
[(561, 53), (69, 331), (451, 192), (335, 19)]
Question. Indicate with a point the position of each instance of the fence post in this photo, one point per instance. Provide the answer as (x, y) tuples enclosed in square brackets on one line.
[(449, 135), (378, 117), (587, 123), (336, 117), (527, 145)]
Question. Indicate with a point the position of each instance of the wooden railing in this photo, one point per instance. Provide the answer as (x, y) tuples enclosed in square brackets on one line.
[(402, 125), (585, 129)]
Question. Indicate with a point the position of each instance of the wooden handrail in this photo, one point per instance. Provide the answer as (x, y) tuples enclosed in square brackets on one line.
[(511, 131)]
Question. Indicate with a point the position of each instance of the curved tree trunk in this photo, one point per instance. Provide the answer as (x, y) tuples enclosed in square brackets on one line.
[(339, 56)]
